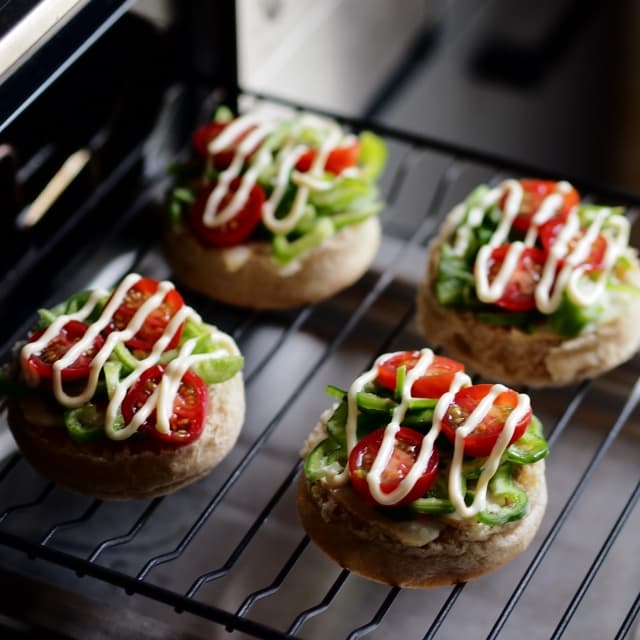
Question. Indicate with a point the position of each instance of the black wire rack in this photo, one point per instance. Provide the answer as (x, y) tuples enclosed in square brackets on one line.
[(226, 557)]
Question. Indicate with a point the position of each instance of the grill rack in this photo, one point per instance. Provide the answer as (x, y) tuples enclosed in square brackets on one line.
[(43, 522)]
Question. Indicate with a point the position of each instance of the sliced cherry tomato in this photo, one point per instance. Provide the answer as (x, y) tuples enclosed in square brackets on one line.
[(210, 131), (338, 160), (189, 406), (155, 323), (407, 447), (550, 230), (436, 380), (71, 332), (519, 294), (480, 442), (236, 230), (535, 191)]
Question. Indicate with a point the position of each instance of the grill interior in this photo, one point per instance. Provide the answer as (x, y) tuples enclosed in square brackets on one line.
[(227, 557)]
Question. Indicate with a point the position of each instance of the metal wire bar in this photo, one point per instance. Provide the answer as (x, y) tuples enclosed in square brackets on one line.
[(323, 605), (567, 414), (630, 618), (627, 409), (155, 592), (377, 618), (210, 576), (69, 524), (597, 563), (278, 580), (130, 535), (292, 328), (27, 505), (444, 611)]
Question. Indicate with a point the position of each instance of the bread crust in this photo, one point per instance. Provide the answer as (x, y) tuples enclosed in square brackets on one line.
[(259, 283), (458, 554), (129, 470), (512, 356)]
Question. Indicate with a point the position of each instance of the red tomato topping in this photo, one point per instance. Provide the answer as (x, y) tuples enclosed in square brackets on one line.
[(519, 292), (155, 323), (436, 380), (236, 230), (535, 191), (338, 160), (71, 332), (480, 442), (210, 131), (189, 405), (407, 448), (550, 230)]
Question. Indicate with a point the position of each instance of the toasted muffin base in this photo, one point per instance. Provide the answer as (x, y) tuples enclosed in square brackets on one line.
[(458, 554), (511, 356), (127, 470), (258, 282)]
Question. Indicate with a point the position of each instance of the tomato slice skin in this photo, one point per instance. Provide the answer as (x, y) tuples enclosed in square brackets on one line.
[(480, 442), (155, 323), (550, 230), (338, 160), (535, 191), (42, 361), (436, 380), (189, 406), (209, 131), (519, 294), (236, 230), (405, 453)]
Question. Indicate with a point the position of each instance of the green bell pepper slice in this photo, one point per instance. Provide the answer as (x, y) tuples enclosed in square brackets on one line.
[(85, 424), (325, 459)]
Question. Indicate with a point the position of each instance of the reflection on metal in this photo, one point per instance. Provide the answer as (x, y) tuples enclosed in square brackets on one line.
[(67, 173)]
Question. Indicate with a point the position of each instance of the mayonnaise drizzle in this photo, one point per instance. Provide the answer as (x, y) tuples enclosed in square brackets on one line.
[(163, 397), (256, 128), (553, 283), (456, 492)]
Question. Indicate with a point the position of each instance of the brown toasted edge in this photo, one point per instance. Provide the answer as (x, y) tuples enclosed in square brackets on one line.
[(260, 283), (127, 470), (449, 559)]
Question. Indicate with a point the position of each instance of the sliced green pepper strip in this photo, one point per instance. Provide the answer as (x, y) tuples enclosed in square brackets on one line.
[(84, 424), (432, 506), (215, 370), (336, 424), (436, 502), (335, 392), (401, 375), (285, 251), (531, 447), (506, 502), (128, 360), (326, 459), (112, 376)]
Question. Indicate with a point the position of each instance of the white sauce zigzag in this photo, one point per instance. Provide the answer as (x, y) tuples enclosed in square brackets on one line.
[(257, 127), (552, 284), (456, 492), (163, 397)]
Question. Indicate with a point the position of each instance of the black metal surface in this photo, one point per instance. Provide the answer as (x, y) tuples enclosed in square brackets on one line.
[(229, 550)]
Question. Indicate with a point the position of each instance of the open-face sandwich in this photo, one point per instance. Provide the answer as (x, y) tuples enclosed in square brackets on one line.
[(419, 478), (126, 393), (529, 285), (276, 210)]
